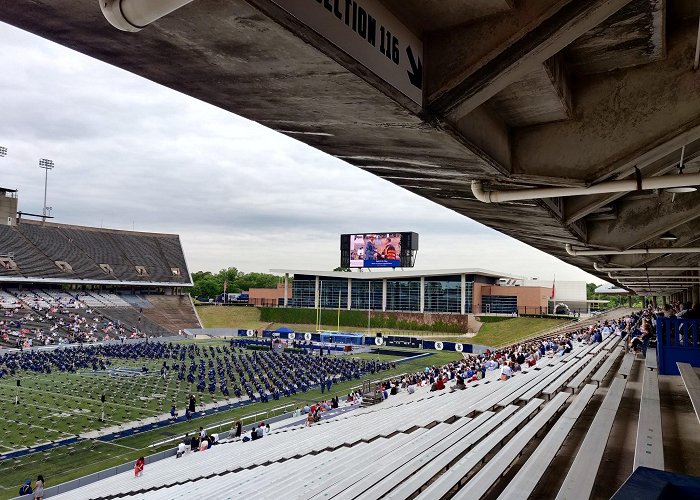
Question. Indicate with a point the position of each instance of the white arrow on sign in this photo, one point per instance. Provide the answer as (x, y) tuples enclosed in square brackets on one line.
[(370, 34)]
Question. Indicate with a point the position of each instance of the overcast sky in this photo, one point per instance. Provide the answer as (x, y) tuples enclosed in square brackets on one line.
[(132, 154)]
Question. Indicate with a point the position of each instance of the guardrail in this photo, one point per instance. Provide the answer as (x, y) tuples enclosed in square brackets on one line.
[(677, 339)]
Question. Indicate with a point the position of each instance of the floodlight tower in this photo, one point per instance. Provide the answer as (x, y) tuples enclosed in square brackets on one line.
[(46, 165)]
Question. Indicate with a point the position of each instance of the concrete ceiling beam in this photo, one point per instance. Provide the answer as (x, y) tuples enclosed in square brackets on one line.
[(469, 65), (620, 120), (659, 161), (639, 221)]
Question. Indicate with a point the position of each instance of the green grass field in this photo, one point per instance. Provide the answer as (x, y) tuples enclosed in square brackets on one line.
[(496, 333), (63, 405), (512, 330)]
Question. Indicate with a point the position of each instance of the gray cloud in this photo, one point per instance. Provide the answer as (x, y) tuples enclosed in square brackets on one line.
[(130, 153)]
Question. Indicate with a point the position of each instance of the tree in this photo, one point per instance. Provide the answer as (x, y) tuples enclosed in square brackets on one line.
[(211, 285), (342, 269)]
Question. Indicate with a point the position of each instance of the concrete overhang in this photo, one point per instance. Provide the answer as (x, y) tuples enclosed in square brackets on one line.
[(519, 94)]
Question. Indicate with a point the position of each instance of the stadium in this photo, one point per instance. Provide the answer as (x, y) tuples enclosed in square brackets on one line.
[(569, 125)]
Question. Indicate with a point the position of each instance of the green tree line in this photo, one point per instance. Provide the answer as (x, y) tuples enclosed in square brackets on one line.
[(209, 284), (614, 300)]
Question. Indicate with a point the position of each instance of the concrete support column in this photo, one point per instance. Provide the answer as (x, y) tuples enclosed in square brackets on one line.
[(317, 298), (422, 294), (349, 293), (653, 301), (286, 289), (696, 294), (663, 300), (629, 301), (384, 294), (462, 307)]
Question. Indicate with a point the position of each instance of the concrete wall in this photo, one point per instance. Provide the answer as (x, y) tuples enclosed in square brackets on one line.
[(563, 290), (268, 294), (8, 210), (429, 318), (528, 296)]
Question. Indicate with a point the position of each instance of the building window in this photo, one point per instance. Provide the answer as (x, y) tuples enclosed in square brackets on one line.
[(499, 304), (334, 293), (443, 296), (366, 292), (403, 295), (303, 293)]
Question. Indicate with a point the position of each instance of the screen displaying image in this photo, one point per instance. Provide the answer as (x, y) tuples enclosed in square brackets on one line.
[(375, 250)]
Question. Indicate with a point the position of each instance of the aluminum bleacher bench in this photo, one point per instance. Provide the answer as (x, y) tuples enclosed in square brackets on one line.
[(322, 468), (649, 449), (543, 382), (454, 475), (567, 375), (581, 477), (650, 361), (525, 481), (365, 476), (432, 463), (692, 385), (599, 375), (626, 366), (483, 480), (448, 447), (585, 372)]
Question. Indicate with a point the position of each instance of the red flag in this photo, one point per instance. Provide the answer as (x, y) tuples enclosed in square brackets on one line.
[(553, 282)]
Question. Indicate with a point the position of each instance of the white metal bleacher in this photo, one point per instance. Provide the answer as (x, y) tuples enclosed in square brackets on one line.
[(424, 444), (7, 300), (649, 449), (692, 385)]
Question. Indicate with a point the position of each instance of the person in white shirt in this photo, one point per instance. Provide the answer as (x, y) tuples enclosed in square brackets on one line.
[(506, 371)]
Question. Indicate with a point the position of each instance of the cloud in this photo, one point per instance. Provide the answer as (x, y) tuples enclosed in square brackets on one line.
[(132, 154)]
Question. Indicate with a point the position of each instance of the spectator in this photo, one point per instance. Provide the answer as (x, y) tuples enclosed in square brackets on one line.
[(39, 488), (238, 429), (26, 488), (138, 467)]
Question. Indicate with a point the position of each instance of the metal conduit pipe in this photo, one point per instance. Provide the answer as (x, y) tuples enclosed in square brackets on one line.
[(641, 269), (634, 251), (663, 277), (696, 63), (638, 279), (134, 15), (662, 182)]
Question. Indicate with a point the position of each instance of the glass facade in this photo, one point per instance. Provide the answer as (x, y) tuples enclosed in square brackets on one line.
[(403, 295), (334, 293), (364, 292), (303, 293), (443, 294), (499, 304), (468, 297)]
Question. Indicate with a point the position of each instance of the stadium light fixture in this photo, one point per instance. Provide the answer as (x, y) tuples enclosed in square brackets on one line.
[(46, 165), (134, 15), (3, 151)]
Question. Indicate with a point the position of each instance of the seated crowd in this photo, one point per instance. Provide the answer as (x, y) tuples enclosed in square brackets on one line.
[(31, 321)]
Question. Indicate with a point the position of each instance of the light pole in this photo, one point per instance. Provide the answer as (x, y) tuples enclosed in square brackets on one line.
[(3, 151), (46, 165)]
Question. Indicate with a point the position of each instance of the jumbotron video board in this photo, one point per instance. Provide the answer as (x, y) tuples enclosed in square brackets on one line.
[(372, 250)]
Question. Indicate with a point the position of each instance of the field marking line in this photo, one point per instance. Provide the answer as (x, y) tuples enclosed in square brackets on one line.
[(93, 401)]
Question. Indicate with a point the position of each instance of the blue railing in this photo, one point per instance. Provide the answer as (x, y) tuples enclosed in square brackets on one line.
[(677, 340)]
